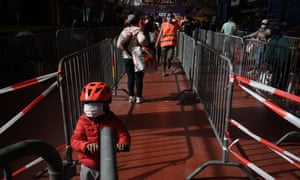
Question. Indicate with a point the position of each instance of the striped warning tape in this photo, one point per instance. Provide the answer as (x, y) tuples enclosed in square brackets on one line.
[(249, 164), (28, 107), (269, 89), (34, 162), (281, 112), (280, 151), (27, 83)]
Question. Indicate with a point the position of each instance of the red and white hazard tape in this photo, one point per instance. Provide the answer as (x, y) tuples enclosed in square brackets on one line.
[(269, 89), (27, 83), (34, 162), (280, 151), (249, 164), (281, 112), (28, 107)]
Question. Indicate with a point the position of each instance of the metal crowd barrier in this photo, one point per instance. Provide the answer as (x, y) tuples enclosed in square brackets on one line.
[(209, 40), (199, 34), (186, 56), (230, 46), (31, 147), (93, 63), (57, 170), (71, 40), (202, 35), (179, 48), (118, 69), (263, 66), (253, 60), (208, 73), (293, 41), (272, 65), (27, 55), (250, 60), (214, 88)]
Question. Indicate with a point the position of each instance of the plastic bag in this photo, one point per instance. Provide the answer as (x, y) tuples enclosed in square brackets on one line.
[(152, 37), (138, 58), (249, 47)]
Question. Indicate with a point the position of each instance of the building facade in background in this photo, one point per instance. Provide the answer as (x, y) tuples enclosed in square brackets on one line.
[(65, 13)]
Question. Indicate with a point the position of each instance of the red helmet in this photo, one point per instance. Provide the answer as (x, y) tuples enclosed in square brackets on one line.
[(96, 91)]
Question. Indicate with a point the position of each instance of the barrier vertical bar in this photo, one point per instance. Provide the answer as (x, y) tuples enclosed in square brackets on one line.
[(187, 58), (117, 69)]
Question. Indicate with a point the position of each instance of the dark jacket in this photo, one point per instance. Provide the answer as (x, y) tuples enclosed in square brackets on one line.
[(278, 48)]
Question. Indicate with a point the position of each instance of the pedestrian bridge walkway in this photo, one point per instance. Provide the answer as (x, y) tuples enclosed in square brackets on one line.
[(197, 122), (171, 136)]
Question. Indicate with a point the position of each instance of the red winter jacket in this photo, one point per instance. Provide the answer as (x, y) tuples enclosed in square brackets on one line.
[(87, 131)]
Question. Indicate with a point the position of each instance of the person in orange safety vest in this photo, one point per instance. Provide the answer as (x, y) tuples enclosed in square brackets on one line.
[(167, 39)]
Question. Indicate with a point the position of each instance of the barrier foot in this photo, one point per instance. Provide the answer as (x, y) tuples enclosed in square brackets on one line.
[(220, 163), (182, 92), (120, 95), (289, 134), (193, 99)]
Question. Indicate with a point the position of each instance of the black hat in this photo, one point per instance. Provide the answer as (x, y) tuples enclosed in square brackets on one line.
[(132, 19)]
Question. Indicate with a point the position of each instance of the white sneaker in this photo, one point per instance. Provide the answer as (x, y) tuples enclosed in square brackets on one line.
[(139, 100), (131, 99)]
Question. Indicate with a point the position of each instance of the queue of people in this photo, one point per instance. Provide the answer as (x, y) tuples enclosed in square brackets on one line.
[(152, 35), (159, 35)]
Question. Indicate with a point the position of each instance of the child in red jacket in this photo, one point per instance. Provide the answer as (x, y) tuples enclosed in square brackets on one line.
[(96, 97)]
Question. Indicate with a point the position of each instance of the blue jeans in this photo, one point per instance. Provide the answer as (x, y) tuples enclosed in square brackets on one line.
[(134, 78), (258, 55)]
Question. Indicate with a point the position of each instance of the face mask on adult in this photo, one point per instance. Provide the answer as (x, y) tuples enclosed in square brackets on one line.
[(93, 110), (264, 26), (168, 19)]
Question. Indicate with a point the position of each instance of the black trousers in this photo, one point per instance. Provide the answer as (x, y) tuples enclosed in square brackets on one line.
[(134, 78)]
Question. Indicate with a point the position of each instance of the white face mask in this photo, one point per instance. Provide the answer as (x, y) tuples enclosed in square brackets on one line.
[(93, 110), (169, 19), (263, 26)]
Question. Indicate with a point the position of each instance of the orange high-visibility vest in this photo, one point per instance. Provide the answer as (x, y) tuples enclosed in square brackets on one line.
[(169, 34)]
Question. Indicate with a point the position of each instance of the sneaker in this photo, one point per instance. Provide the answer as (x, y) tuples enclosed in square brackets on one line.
[(139, 100), (131, 99), (164, 74)]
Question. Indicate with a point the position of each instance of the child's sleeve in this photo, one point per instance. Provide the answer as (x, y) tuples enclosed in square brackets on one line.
[(122, 134), (78, 139)]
